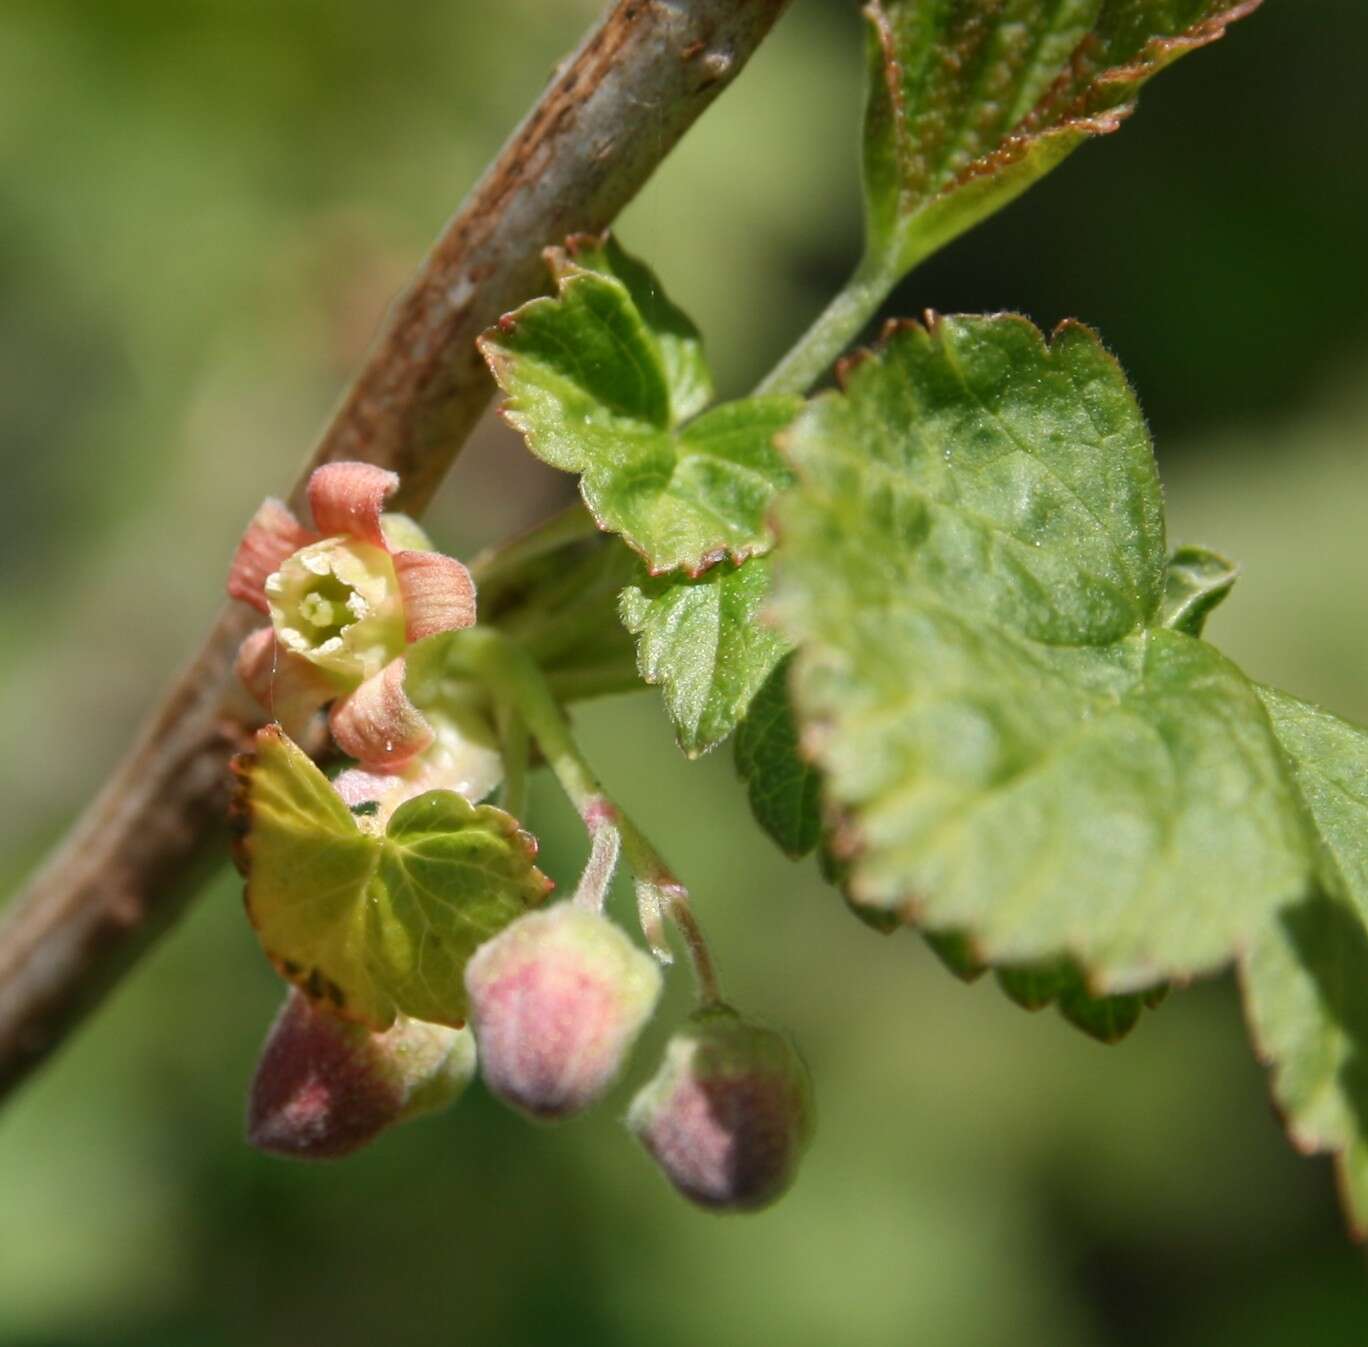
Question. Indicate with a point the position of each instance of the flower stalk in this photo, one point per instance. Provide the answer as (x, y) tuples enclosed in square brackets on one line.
[(501, 663)]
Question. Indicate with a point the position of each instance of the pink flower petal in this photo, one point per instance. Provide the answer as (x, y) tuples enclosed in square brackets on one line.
[(438, 593), (358, 785), (273, 535), (378, 724), (347, 498), (291, 689)]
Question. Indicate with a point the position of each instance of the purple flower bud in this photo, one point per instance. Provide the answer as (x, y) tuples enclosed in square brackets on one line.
[(324, 1088), (729, 1113), (556, 1000)]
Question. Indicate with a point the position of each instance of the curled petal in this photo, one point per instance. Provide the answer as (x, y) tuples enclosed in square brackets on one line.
[(464, 756), (273, 535), (437, 591), (347, 498), (377, 723), (291, 689)]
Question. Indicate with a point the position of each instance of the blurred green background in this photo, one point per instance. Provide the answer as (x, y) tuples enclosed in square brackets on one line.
[(204, 207)]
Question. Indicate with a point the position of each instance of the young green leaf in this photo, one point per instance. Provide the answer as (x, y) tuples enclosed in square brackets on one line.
[(307, 865), (973, 567), (972, 100), (451, 875), (1196, 581), (702, 640), (785, 791), (601, 378), (1305, 974), (373, 925)]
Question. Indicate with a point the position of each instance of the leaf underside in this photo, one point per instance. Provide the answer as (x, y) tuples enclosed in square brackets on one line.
[(370, 926), (1305, 975), (974, 570)]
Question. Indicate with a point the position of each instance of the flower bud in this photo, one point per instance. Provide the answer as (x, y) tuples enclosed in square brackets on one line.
[(324, 1088), (556, 1000), (729, 1113)]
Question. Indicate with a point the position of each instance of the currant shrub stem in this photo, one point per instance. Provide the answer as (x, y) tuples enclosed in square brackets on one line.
[(835, 328)]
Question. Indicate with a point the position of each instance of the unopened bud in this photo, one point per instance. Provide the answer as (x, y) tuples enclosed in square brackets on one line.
[(729, 1113), (556, 1000), (324, 1088)]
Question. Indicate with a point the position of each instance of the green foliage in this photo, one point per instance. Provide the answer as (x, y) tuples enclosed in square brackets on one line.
[(971, 101), (372, 925), (1196, 581), (973, 569), (602, 379), (785, 791), (1106, 1018), (704, 641), (1305, 976)]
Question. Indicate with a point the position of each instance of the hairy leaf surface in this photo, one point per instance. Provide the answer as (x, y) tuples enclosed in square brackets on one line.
[(972, 100), (973, 570), (703, 641), (606, 379), (372, 925)]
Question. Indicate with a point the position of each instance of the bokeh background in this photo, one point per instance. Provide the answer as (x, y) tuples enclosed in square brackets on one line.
[(204, 207)]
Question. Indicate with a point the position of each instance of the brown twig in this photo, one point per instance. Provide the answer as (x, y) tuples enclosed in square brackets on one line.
[(611, 113)]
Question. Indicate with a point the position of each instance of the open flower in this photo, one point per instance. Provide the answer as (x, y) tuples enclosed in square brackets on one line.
[(344, 599)]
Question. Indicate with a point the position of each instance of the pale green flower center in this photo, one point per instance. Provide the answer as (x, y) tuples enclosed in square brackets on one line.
[(337, 604)]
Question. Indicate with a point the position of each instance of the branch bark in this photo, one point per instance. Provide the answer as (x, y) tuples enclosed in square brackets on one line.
[(611, 113)]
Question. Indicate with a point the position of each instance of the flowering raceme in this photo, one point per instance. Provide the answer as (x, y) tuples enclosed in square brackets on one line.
[(344, 599)]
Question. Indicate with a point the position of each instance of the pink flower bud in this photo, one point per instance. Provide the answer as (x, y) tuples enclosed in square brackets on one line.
[(556, 1000), (324, 1088), (729, 1113)]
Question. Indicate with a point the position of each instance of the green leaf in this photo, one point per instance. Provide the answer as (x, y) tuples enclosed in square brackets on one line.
[(451, 875), (1034, 986), (601, 378), (1055, 982), (972, 100), (785, 791), (955, 950), (1197, 580), (703, 641), (372, 925), (1105, 1018), (1305, 975), (307, 864), (973, 569)]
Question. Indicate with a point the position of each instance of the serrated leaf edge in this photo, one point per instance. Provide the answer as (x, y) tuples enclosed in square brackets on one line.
[(1072, 121)]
